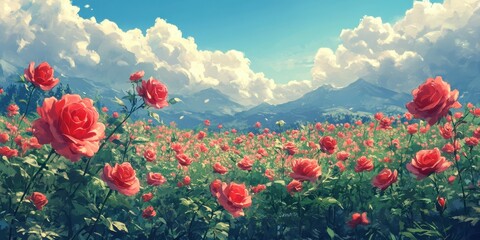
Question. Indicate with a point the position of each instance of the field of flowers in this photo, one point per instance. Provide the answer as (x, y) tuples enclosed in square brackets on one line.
[(72, 171)]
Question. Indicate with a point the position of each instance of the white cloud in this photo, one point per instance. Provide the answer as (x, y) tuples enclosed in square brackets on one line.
[(53, 31), (431, 39)]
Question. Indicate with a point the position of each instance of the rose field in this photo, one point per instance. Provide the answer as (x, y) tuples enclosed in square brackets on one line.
[(73, 170)]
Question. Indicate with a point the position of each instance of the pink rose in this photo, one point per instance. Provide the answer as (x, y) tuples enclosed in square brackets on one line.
[(70, 125), (41, 76), (432, 100), (121, 178), (427, 162), (154, 93)]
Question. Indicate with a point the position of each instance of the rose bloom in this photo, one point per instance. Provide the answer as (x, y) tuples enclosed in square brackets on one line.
[(294, 186), (257, 125), (218, 168), (104, 109), (259, 188), (305, 169), (149, 212), (234, 198), (183, 159), (4, 137), (121, 178), (137, 76), (427, 162), (8, 152), (384, 179), (342, 155), (476, 132), (340, 166), (206, 123), (412, 128), (12, 110), (215, 187), (150, 155), (328, 144), (475, 112), (358, 219), (201, 135), (446, 130), (364, 164), (269, 174), (147, 197), (451, 179), (155, 179), (115, 114), (41, 76), (70, 125), (154, 93), (471, 141), (290, 148), (38, 199), (186, 180), (432, 100), (246, 164)]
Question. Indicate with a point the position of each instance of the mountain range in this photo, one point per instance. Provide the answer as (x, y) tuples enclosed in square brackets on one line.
[(360, 99)]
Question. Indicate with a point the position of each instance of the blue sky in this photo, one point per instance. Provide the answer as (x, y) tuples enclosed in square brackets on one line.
[(280, 37)]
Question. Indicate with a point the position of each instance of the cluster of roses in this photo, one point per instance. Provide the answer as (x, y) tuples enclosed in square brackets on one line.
[(70, 125)]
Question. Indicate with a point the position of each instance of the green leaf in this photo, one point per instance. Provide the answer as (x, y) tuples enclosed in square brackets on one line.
[(140, 140), (119, 226), (174, 100), (119, 101), (330, 233), (154, 116)]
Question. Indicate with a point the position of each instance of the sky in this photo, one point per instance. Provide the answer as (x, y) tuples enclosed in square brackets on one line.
[(280, 37), (252, 51)]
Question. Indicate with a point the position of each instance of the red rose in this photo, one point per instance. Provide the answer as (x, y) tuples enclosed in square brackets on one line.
[(147, 197), (446, 130), (70, 125), (38, 199), (269, 174), (149, 212), (385, 178), (364, 164), (154, 93), (427, 162), (183, 159), (328, 144), (342, 155), (155, 179), (137, 76), (294, 186), (245, 164), (186, 180), (471, 141), (215, 187), (201, 135), (358, 219), (4, 137), (12, 110), (441, 204), (340, 166), (412, 128), (8, 152), (41, 76), (290, 148), (432, 100), (121, 178), (305, 169), (150, 155), (259, 188), (218, 168), (234, 198)]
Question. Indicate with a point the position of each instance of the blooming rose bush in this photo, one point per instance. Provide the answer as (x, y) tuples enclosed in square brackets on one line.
[(139, 179)]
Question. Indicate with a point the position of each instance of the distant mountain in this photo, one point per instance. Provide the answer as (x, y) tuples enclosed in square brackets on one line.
[(359, 99)]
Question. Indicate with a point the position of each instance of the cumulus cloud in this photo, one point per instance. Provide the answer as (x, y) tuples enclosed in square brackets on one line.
[(52, 31), (431, 39)]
